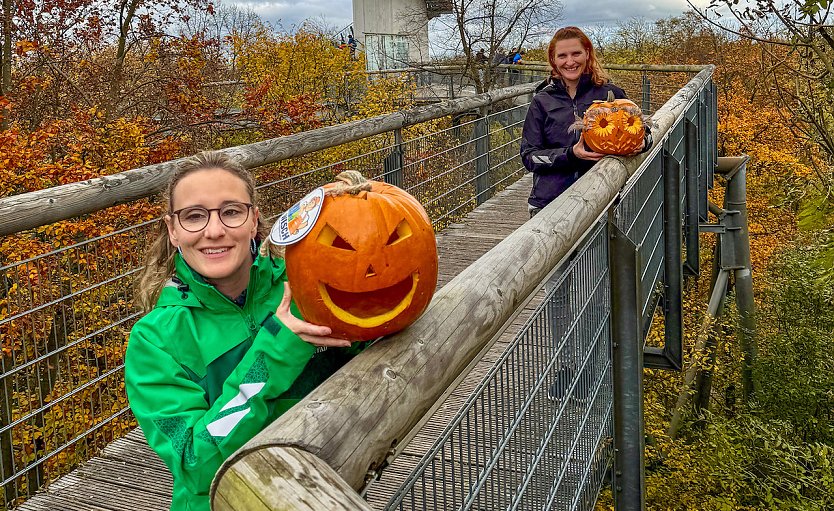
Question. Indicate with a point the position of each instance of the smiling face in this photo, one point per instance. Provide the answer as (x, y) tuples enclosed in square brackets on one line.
[(369, 265), (219, 253), (570, 59)]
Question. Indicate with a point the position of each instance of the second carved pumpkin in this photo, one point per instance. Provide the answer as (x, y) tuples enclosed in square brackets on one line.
[(368, 267), (613, 127)]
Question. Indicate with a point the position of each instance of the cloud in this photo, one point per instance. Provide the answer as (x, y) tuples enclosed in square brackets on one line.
[(338, 14), (611, 12), (289, 14)]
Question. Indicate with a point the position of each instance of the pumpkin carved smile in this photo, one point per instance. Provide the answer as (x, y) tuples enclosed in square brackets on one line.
[(369, 308)]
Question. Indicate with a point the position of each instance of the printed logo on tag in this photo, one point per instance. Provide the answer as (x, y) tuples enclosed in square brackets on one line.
[(297, 221)]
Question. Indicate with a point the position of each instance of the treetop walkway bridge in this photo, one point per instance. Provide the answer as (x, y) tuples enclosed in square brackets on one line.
[(519, 388)]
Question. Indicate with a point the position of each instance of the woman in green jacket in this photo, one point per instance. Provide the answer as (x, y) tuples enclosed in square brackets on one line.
[(222, 351)]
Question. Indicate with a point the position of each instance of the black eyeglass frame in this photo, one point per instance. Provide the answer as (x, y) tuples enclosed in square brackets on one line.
[(248, 205)]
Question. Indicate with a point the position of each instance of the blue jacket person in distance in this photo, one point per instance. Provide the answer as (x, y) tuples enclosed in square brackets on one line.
[(556, 155)]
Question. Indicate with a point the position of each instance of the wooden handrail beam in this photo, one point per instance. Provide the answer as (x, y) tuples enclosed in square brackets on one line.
[(42, 207)]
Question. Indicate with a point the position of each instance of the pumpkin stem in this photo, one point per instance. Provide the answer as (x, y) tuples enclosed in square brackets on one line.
[(352, 182), (610, 96)]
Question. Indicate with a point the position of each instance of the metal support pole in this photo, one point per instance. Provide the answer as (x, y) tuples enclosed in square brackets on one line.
[(735, 199), (647, 93), (393, 164), (705, 143), (7, 462), (712, 106), (703, 383), (480, 134), (693, 166), (673, 267), (627, 342)]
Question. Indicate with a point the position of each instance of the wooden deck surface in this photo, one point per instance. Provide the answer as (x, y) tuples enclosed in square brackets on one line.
[(127, 475)]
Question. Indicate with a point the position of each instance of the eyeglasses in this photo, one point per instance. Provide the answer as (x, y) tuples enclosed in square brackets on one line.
[(196, 218)]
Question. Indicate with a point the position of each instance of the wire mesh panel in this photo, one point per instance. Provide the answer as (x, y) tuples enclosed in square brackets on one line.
[(65, 324), (649, 89), (537, 431), (640, 216), (504, 138)]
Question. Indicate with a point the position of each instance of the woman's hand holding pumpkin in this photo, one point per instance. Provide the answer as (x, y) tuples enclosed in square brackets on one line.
[(582, 153), (308, 332), (638, 150)]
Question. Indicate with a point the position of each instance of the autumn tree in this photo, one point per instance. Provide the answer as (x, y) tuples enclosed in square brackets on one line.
[(296, 82), (798, 49), (495, 26)]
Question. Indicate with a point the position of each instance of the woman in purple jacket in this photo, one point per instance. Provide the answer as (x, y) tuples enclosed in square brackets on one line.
[(556, 155)]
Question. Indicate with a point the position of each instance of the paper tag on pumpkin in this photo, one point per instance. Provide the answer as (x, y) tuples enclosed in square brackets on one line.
[(297, 221)]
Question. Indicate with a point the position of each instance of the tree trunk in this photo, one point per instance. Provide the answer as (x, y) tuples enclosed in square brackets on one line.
[(6, 56), (127, 13)]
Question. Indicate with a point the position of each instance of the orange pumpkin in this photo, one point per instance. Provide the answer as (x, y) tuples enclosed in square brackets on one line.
[(368, 267), (613, 127)]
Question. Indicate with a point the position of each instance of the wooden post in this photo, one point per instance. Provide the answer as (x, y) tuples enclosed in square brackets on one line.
[(282, 478)]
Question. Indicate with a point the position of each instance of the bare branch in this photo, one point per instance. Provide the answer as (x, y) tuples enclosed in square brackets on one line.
[(750, 35)]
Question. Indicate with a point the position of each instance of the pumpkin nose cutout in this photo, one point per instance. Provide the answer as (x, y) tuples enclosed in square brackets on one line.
[(370, 271)]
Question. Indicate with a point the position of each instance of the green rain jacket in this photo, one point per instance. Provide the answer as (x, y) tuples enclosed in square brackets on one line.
[(204, 375)]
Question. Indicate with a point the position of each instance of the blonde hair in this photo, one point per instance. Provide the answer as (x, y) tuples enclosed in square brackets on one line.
[(159, 259), (593, 65)]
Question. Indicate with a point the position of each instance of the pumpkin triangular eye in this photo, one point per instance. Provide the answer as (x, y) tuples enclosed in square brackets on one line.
[(330, 238), (402, 232)]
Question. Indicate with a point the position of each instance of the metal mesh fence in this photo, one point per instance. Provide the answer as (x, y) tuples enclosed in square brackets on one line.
[(537, 431)]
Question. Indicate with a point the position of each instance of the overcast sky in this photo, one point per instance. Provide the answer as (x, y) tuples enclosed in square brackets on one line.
[(338, 14)]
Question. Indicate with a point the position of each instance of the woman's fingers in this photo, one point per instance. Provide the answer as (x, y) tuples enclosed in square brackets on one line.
[(330, 342), (318, 335), (582, 153), (303, 328)]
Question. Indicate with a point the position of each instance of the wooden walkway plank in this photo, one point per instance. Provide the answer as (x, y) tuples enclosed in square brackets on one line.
[(128, 475)]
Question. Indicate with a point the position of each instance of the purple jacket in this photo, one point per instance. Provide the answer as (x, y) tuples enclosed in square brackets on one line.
[(547, 143)]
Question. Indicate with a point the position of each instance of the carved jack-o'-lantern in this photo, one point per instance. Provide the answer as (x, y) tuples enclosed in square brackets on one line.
[(613, 127), (368, 267)]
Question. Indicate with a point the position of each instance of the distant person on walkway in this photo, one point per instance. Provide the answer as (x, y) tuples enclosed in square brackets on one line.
[(222, 351), (351, 42), (513, 58), (480, 57), (499, 57), (518, 56), (555, 155)]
